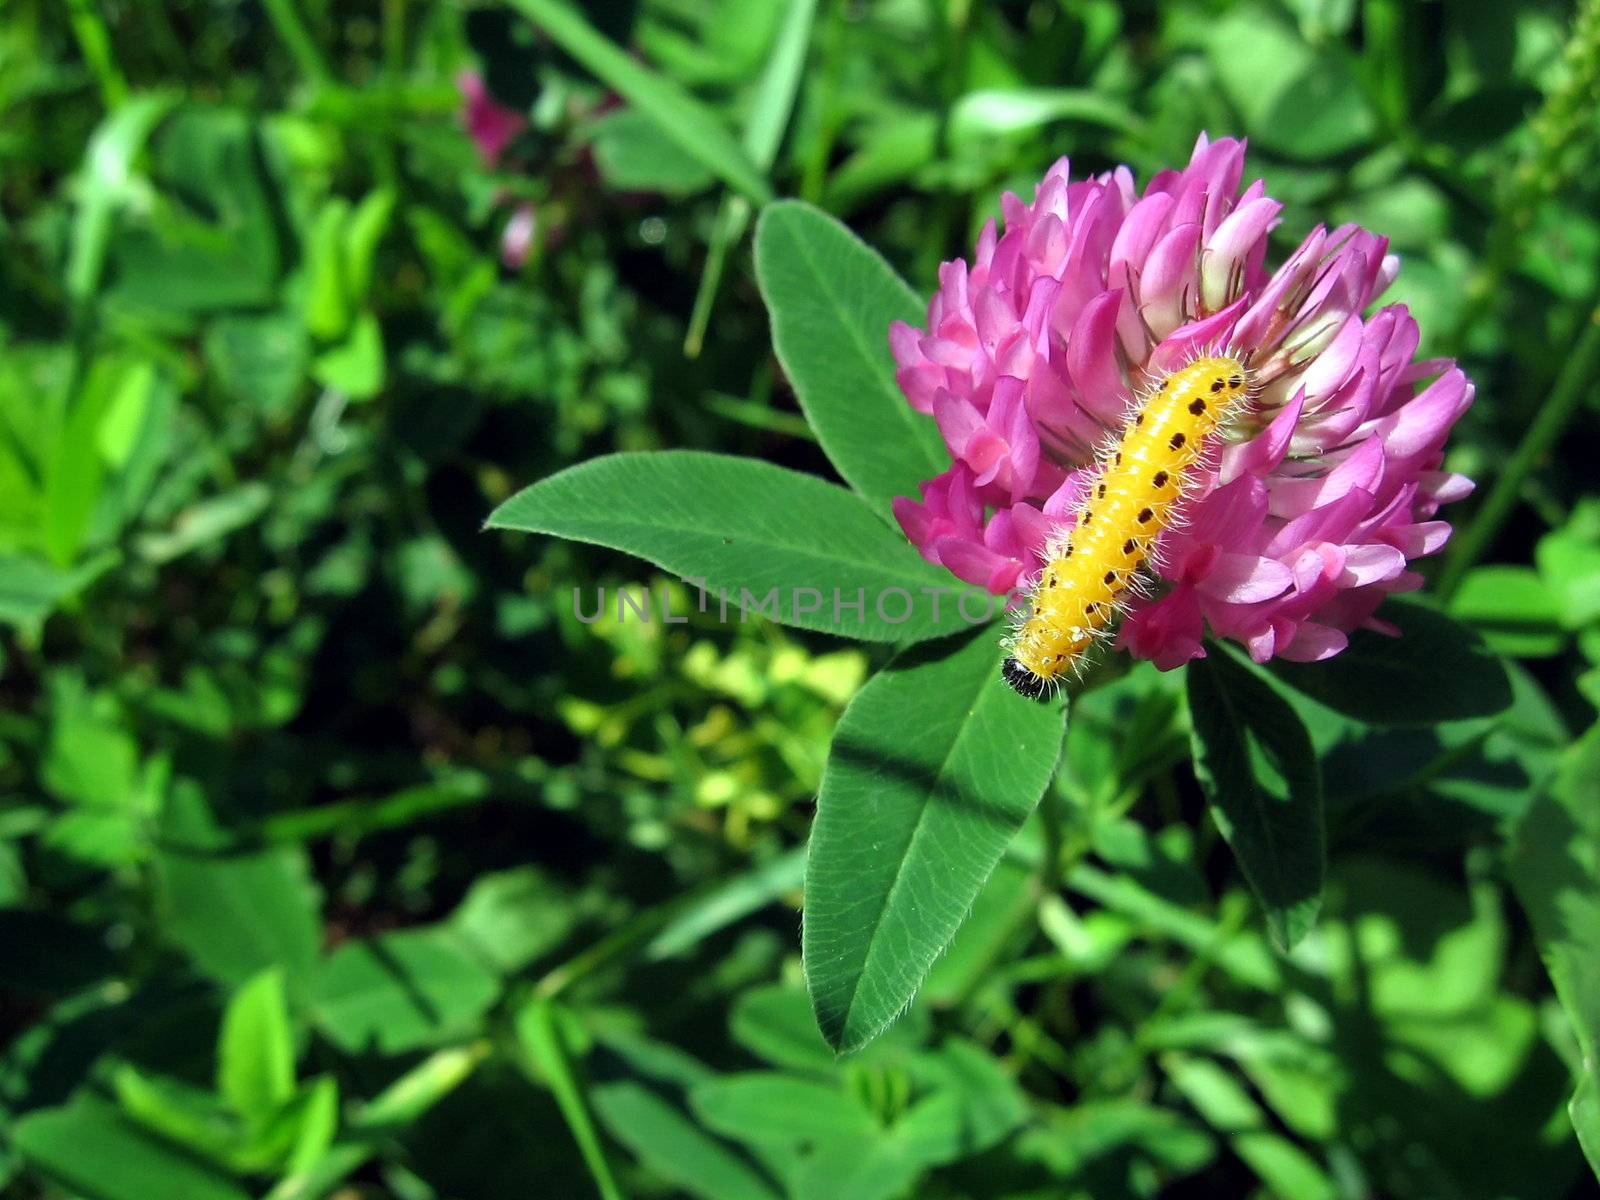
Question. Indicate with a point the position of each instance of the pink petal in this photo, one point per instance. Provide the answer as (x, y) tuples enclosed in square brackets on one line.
[(1227, 250), (1092, 359), (1167, 632), (1263, 644), (959, 421), (1246, 579), (1141, 229), (517, 239), (1166, 282), (1313, 643), (1280, 291), (491, 125), (1446, 488), (1361, 468), (916, 521), (978, 565), (1422, 423), (1031, 529), (1415, 541), (1265, 451), (1328, 370), (1198, 337), (1370, 564)]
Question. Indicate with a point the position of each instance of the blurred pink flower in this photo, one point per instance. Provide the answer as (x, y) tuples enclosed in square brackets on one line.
[(489, 124), (516, 241), (1296, 529)]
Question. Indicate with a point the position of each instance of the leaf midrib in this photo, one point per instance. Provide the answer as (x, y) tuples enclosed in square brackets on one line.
[(1279, 880), (900, 868), (638, 527)]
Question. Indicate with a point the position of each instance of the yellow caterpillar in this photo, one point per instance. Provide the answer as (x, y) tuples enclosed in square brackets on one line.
[(1131, 500)]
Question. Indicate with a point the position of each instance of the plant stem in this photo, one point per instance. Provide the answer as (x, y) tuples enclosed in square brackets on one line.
[(402, 1102), (1050, 821), (732, 217), (1562, 124), (94, 40), (541, 1039), (825, 91), (1558, 409), (298, 41)]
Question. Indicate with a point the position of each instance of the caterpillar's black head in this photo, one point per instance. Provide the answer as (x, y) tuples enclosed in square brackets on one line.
[(1023, 680)]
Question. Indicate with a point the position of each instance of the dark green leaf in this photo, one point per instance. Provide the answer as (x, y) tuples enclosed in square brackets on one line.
[(109, 185), (30, 588), (510, 918), (1228, 1108), (1556, 871), (696, 129), (634, 157), (259, 359), (1254, 759), (999, 112), (1004, 905), (1302, 102), (992, 1104), (775, 1024), (207, 522), (682, 1153), (1436, 670), (236, 914), (402, 991), (215, 245), (768, 1107), (737, 898), (1569, 562), (91, 1149), (77, 468), (1072, 1139)]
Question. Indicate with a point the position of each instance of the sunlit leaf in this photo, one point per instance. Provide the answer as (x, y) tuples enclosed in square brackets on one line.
[(804, 549), (934, 767), (831, 299)]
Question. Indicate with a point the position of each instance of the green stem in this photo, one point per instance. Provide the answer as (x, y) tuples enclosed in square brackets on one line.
[(94, 40), (763, 133), (732, 216), (360, 817), (297, 39), (1572, 387), (1383, 25), (541, 1039), (758, 416), (610, 947), (829, 105), (398, 1105), (1050, 821), (1563, 124), (394, 42)]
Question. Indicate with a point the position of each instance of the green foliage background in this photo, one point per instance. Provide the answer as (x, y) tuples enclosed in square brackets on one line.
[(338, 857)]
